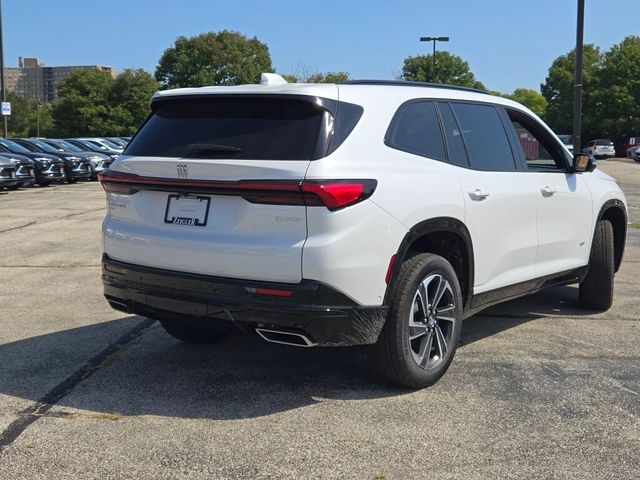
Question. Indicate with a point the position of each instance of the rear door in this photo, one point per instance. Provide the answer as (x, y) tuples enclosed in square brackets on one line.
[(500, 203), (212, 186)]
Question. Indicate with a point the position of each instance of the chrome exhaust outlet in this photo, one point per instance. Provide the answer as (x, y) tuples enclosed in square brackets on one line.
[(285, 338)]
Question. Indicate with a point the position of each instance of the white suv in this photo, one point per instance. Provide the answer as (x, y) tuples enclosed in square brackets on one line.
[(367, 212)]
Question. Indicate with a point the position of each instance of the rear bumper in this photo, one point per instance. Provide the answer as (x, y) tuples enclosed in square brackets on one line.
[(324, 315)]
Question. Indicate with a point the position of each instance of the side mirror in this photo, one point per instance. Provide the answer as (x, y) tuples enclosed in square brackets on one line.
[(583, 163)]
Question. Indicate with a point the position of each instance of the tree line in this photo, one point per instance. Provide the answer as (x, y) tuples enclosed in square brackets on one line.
[(93, 103)]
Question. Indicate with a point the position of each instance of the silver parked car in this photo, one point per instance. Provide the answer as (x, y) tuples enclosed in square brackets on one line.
[(600, 148)]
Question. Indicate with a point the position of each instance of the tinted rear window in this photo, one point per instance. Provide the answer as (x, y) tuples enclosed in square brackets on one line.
[(605, 143), (416, 129), (254, 128)]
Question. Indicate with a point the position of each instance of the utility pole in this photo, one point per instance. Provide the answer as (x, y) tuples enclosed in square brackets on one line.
[(577, 92), (37, 99), (434, 77), (4, 92)]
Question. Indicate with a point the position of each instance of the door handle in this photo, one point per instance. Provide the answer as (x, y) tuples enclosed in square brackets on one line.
[(478, 194), (547, 191)]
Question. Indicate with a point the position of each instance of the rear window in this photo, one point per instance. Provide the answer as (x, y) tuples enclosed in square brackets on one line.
[(253, 128), (605, 143)]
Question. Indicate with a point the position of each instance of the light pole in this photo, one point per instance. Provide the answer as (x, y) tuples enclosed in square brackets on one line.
[(577, 92), (4, 93), (434, 40)]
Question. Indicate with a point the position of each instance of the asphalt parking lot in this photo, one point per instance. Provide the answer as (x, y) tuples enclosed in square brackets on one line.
[(538, 389)]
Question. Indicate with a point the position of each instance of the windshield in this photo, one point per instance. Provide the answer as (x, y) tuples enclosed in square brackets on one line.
[(111, 144), (95, 144), (64, 146), (12, 146), (44, 146)]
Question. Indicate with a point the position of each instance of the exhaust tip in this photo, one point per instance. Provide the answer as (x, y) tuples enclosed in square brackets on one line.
[(285, 338), (120, 306)]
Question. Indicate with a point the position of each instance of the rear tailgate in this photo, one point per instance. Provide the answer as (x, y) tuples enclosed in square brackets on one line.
[(211, 186)]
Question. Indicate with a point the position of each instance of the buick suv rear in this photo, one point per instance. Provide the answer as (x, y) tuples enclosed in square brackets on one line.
[(366, 213)]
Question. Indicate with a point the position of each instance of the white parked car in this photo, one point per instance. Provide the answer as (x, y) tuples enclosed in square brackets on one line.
[(600, 148), (379, 213)]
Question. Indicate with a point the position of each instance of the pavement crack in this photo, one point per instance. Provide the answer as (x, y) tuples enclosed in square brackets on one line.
[(54, 219), (37, 410)]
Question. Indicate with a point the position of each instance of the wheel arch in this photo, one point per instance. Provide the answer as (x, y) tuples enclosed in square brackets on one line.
[(615, 212), (444, 236)]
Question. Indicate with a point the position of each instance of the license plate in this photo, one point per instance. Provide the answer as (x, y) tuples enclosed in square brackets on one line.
[(187, 210)]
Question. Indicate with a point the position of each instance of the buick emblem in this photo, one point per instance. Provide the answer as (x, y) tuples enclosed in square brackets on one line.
[(183, 170)]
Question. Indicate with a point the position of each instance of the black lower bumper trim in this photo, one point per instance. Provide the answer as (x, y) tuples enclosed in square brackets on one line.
[(325, 316)]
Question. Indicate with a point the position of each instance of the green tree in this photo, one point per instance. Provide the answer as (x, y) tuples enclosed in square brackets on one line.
[(617, 98), (213, 58), (21, 115), (317, 77), (531, 99), (130, 96), (558, 90), (450, 69), (83, 108)]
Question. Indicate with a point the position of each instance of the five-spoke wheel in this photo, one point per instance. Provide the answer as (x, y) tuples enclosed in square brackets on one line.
[(422, 331)]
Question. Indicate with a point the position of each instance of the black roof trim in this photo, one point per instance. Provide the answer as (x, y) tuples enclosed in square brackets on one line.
[(405, 83)]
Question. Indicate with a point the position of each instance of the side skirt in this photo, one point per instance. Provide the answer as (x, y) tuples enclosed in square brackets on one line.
[(487, 299)]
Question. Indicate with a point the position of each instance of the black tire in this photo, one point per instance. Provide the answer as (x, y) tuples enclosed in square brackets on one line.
[(596, 290), (191, 332), (13, 187), (44, 183), (394, 356)]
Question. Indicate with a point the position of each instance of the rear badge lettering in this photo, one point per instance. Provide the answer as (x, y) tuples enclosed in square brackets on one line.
[(184, 221)]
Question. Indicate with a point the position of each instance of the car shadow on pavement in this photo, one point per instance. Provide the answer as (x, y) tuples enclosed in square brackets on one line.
[(154, 374)]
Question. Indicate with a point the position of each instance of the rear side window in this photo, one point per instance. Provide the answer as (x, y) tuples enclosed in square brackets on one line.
[(416, 129), (485, 137), (267, 128)]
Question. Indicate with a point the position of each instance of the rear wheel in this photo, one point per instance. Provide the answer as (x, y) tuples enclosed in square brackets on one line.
[(422, 331), (191, 332), (596, 290)]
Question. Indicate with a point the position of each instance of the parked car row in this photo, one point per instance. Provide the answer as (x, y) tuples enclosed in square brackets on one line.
[(25, 162), (604, 148)]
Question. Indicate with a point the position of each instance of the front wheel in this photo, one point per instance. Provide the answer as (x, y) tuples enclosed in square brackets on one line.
[(596, 290), (421, 334)]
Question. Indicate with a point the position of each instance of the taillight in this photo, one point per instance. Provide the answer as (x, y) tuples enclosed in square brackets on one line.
[(336, 194), (332, 194)]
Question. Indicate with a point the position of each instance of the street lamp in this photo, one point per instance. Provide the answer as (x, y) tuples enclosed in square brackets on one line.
[(434, 40), (3, 94), (577, 95)]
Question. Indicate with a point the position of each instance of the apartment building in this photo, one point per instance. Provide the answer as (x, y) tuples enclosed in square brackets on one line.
[(34, 80)]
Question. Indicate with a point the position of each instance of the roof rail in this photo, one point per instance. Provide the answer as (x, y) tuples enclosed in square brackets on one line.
[(406, 83)]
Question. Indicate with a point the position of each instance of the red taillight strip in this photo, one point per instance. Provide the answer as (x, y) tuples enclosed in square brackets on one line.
[(210, 186), (333, 194)]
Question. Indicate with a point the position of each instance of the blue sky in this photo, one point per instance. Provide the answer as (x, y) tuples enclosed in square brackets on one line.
[(508, 44)]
